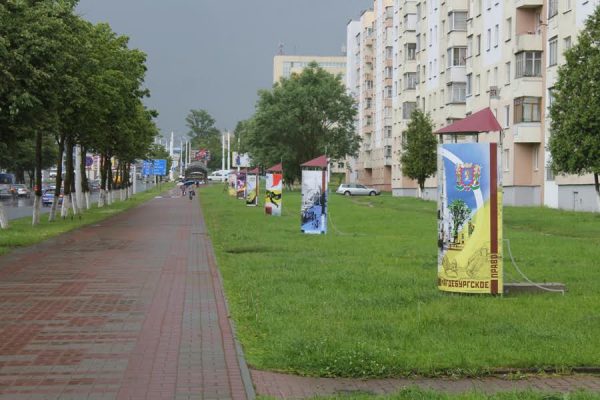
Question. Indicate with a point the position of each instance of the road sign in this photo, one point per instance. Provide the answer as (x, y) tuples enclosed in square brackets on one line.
[(160, 167), (147, 168)]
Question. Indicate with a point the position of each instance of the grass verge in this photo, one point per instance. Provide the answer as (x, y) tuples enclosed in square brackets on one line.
[(361, 301), (21, 233)]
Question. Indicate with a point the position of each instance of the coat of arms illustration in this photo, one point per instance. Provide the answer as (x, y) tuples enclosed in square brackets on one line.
[(467, 177)]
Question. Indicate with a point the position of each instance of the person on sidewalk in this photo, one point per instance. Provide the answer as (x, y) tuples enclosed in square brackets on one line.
[(192, 193)]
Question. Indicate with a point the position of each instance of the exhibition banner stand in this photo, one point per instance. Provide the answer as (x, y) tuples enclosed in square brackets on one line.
[(314, 196), (274, 190)]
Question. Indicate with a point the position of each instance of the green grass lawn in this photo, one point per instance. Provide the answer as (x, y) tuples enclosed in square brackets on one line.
[(362, 300), (21, 233)]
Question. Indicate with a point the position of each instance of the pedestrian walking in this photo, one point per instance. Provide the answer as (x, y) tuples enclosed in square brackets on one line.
[(192, 193)]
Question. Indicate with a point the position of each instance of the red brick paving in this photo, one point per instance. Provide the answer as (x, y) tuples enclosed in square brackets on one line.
[(297, 387), (131, 308)]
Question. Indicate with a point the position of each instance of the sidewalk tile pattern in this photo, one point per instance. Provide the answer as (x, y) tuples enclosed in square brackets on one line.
[(284, 386), (131, 308)]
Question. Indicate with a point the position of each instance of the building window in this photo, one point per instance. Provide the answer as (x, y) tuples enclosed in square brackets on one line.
[(388, 131), (388, 92), (388, 151), (478, 44), (552, 8), (507, 66), (389, 52), (550, 98), (457, 92), (568, 5), (469, 46), (489, 39), (536, 157), (418, 44), (496, 35), (529, 63), (407, 109), (410, 80), (469, 84), (506, 160), (553, 51), (457, 21), (507, 116), (567, 43), (527, 109), (410, 51), (457, 56), (495, 81), (508, 28), (410, 22), (477, 85), (388, 72)]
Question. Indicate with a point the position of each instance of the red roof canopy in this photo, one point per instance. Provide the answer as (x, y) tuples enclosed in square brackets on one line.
[(319, 162), (276, 168), (482, 121), (254, 171)]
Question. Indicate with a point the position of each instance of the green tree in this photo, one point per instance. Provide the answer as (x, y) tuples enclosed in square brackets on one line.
[(419, 154), (303, 117), (575, 121), (205, 135), (460, 213)]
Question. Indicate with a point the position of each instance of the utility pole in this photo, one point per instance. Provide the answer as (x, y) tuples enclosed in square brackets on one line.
[(228, 151), (171, 155)]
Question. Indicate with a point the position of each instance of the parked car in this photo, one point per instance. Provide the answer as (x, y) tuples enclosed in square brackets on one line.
[(218, 176), (21, 190), (356, 189), (48, 197)]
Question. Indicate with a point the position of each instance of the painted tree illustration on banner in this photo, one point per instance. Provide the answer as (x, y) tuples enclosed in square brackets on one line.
[(460, 214)]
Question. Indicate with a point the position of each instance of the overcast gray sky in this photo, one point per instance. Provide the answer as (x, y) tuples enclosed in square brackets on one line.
[(215, 54)]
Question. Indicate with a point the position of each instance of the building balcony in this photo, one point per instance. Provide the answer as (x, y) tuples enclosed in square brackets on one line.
[(388, 141), (368, 164), (457, 39), (368, 93), (527, 86), (367, 76), (527, 132), (369, 40), (456, 74), (368, 59), (528, 42), (387, 102), (457, 5), (529, 3), (388, 160), (388, 82), (366, 145), (389, 62), (389, 22), (367, 129)]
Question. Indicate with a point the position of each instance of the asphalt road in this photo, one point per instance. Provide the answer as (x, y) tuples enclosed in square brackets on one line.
[(22, 207)]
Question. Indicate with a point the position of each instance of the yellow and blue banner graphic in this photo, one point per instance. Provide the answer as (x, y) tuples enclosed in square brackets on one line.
[(470, 218), (274, 187)]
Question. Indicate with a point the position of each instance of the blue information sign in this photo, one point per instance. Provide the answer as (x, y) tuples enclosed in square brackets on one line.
[(147, 168), (160, 167)]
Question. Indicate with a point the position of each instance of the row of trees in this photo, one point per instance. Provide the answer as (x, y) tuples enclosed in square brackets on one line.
[(65, 82)]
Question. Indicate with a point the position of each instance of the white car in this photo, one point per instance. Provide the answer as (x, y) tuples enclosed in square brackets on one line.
[(218, 176), (356, 189)]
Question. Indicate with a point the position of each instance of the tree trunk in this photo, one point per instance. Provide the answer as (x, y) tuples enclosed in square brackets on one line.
[(420, 189), (85, 187), (3, 219), (20, 175), (68, 176), (58, 180), (102, 195), (109, 179), (38, 179), (597, 186)]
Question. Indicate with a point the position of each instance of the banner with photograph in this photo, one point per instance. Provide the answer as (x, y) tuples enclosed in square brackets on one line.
[(252, 190), (240, 186), (314, 202), (232, 187), (273, 200), (470, 218)]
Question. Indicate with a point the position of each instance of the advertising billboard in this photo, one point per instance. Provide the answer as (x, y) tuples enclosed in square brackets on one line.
[(314, 202), (470, 218)]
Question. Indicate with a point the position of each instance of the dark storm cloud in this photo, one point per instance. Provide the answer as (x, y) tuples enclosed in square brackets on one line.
[(216, 54)]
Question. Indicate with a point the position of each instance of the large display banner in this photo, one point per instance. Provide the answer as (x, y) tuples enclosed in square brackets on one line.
[(470, 218), (274, 187), (252, 190), (240, 186), (232, 187), (314, 202)]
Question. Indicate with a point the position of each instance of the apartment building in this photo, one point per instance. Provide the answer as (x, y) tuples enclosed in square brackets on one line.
[(452, 58)]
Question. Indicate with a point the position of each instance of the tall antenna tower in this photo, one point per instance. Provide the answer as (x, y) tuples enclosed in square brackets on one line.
[(280, 49)]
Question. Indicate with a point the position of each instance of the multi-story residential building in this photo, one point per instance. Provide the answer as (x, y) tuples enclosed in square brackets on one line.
[(353, 35), (452, 58)]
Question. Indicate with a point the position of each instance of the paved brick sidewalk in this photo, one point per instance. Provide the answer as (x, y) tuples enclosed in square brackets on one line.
[(297, 387), (131, 308)]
